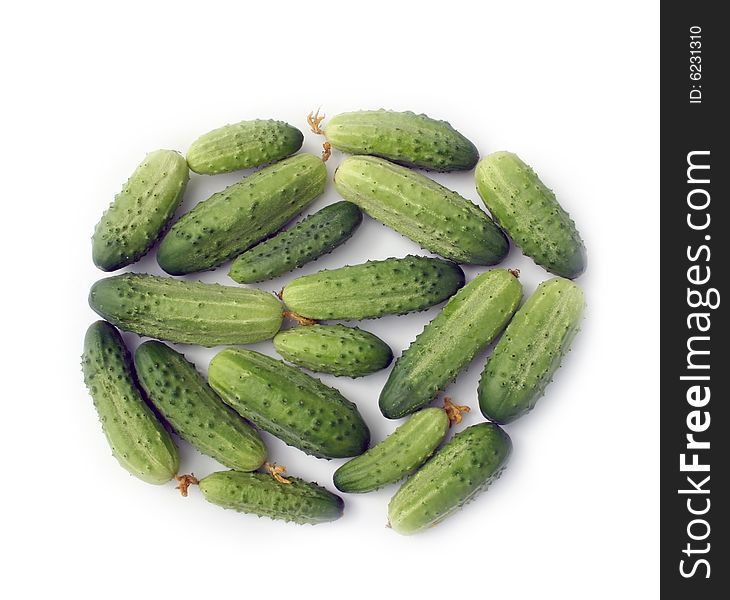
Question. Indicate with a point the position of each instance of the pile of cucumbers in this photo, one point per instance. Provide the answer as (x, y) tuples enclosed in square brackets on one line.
[(143, 399)]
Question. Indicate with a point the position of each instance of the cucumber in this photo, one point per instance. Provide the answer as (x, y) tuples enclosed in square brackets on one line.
[(466, 325), (394, 286), (291, 405), (138, 440), (334, 349), (398, 455), (242, 146), (186, 401), (530, 351), (530, 214), (141, 212), (431, 215), (232, 221), (313, 237), (465, 466), (186, 312)]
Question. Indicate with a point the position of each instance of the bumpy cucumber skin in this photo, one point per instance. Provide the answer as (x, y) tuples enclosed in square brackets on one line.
[(194, 411), (433, 216), (141, 212), (138, 440), (403, 137), (186, 312), (530, 351), (334, 349), (468, 323), (232, 221), (397, 456), (291, 405), (465, 466), (394, 286), (313, 237), (530, 214), (260, 494), (242, 146)]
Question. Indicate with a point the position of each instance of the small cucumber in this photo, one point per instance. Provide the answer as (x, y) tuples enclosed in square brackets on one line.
[(243, 145), (394, 286), (141, 212), (334, 349), (431, 215), (291, 405), (186, 312), (530, 351), (530, 214), (467, 324), (138, 440), (194, 411), (465, 466), (231, 221), (313, 237)]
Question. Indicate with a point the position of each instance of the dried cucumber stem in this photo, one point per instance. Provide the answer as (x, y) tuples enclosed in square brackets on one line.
[(515, 272), (314, 119), (454, 411), (299, 318), (276, 471), (184, 482), (326, 151)]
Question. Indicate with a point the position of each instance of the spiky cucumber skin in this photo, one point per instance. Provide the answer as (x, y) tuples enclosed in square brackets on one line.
[(334, 349), (194, 411), (467, 324), (313, 237), (403, 137), (138, 440), (398, 455), (232, 221), (141, 212), (242, 146), (463, 468), (186, 312), (530, 351), (433, 216), (528, 211), (394, 286), (291, 405), (260, 494)]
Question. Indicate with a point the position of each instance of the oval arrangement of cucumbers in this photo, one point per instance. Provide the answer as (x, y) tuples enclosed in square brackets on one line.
[(150, 400)]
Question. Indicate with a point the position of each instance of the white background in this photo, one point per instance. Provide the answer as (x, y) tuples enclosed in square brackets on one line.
[(572, 88)]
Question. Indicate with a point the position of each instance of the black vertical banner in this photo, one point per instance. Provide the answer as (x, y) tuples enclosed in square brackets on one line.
[(695, 262)]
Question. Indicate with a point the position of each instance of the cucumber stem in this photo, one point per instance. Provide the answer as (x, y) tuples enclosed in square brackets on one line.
[(326, 151), (454, 411), (276, 471), (184, 482), (299, 318)]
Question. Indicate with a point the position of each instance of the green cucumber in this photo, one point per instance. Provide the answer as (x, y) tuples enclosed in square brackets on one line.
[(291, 405), (141, 212), (431, 215), (530, 351), (193, 410), (313, 237), (233, 220), (334, 349), (530, 214), (465, 466), (137, 438), (467, 324), (186, 312), (394, 286), (242, 146)]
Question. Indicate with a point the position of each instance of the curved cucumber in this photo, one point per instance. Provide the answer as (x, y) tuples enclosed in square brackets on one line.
[(530, 214), (141, 212), (468, 323), (295, 407), (313, 237), (465, 466), (195, 413), (394, 286), (398, 455), (530, 351), (138, 440), (186, 312), (231, 221), (431, 215)]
